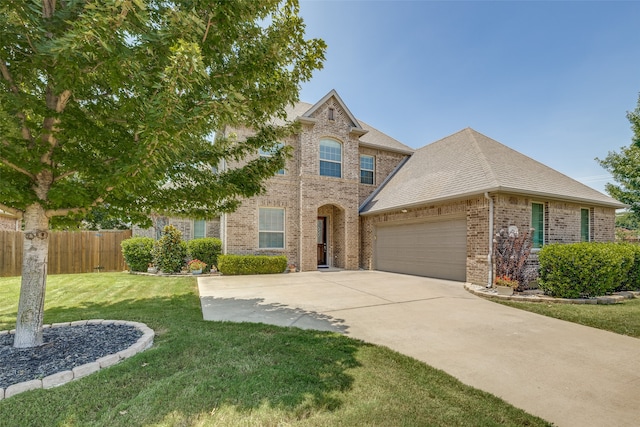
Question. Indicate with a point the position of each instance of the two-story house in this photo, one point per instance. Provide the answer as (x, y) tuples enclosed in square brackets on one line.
[(352, 197)]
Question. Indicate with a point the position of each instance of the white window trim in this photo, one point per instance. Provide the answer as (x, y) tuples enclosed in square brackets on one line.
[(368, 170), (284, 229), (331, 161)]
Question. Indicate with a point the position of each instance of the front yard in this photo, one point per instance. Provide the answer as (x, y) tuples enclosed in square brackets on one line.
[(202, 373)]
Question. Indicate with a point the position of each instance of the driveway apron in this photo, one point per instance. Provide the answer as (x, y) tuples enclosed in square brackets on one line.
[(568, 374)]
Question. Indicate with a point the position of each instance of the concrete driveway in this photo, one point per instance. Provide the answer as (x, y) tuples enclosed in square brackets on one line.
[(568, 374)]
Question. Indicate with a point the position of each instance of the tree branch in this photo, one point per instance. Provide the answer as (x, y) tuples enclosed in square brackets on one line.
[(64, 175), (17, 168), (62, 212), (13, 211), (4, 70)]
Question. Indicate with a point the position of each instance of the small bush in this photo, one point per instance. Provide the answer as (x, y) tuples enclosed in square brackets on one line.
[(632, 281), (581, 270), (170, 251), (251, 264), (206, 249), (137, 252), (511, 253)]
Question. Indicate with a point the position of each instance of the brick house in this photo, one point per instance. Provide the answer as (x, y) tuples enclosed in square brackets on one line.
[(352, 197)]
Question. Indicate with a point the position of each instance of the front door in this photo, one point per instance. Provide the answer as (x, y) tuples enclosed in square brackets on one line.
[(322, 241)]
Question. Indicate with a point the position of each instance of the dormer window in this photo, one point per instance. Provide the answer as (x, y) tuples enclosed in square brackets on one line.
[(331, 114)]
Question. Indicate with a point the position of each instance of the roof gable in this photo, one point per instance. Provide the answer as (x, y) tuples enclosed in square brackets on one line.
[(368, 135), (468, 163), (333, 94)]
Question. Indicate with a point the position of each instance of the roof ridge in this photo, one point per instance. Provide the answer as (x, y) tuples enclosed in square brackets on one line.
[(482, 158)]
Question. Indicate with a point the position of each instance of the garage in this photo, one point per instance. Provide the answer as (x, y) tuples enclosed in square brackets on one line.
[(433, 249)]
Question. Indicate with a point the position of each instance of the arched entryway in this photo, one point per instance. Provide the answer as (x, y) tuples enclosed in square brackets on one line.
[(330, 242)]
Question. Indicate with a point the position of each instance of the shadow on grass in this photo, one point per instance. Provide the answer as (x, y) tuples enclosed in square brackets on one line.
[(194, 367)]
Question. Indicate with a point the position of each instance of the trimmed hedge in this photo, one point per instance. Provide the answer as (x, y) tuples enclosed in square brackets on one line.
[(582, 270), (232, 265), (206, 249), (632, 281), (137, 252)]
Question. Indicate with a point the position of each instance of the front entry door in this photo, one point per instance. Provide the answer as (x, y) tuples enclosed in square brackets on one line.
[(322, 241)]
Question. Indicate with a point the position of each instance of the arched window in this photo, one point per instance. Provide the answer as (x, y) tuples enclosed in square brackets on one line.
[(330, 158)]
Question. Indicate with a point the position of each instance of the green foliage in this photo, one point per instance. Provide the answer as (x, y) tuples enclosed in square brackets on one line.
[(137, 252), (206, 250), (115, 103), (627, 220), (170, 251), (582, 270), (251, 264), (625, 168), (631, 282), (103, 103)]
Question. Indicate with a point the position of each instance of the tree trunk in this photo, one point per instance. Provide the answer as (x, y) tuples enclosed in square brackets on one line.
[(34, 278)]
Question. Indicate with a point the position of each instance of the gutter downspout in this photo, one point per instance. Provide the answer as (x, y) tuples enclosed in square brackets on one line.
[(490, 255)]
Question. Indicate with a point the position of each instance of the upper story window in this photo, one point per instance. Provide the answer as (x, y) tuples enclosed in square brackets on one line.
[(585, 225), (367, 169), (330, 158), (537, 223), (269, 153), (331, 114)]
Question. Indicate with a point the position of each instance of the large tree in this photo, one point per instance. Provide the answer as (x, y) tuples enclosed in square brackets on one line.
[(625, 168), (115, 103)]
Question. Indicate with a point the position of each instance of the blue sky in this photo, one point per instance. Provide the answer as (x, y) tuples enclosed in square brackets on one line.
[(551, 79)]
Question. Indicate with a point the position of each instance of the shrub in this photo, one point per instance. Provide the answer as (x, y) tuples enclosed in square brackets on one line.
[(206, 250), (584, 269), (251, 264), (632, 281), (170, 251), (137, 252), (511, 252)]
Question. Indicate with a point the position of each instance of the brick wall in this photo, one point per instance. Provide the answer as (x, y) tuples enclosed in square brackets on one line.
[(305, 195), (562, 225), (385, 163), (562, 219), (9, 223)]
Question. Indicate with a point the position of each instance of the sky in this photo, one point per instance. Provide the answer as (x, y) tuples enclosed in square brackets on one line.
[(553, 80)]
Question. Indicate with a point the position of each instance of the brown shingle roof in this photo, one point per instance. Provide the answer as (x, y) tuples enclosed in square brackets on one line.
[(469, 163)]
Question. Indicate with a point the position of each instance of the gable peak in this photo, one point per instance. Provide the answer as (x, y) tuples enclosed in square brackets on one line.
[(334, 94)]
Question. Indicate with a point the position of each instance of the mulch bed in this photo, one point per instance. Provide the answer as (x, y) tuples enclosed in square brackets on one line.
[(63, 349)]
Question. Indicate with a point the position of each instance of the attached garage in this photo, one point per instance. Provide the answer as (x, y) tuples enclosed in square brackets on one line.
[(430, 248)]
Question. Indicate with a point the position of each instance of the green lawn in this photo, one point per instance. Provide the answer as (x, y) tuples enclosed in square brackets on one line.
[(201, 373), (623, 318)]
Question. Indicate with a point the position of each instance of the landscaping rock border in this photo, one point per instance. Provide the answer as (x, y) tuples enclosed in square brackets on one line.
[(491, 293), (60, 378)]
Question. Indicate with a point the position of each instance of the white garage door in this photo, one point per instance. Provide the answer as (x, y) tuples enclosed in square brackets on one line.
[(432, 249)]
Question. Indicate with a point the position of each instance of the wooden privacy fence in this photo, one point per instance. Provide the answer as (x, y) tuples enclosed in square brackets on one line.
[(69, 252)]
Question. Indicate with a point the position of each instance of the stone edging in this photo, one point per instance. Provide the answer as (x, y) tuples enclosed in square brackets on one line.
[(60, 378), (491, 293)]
